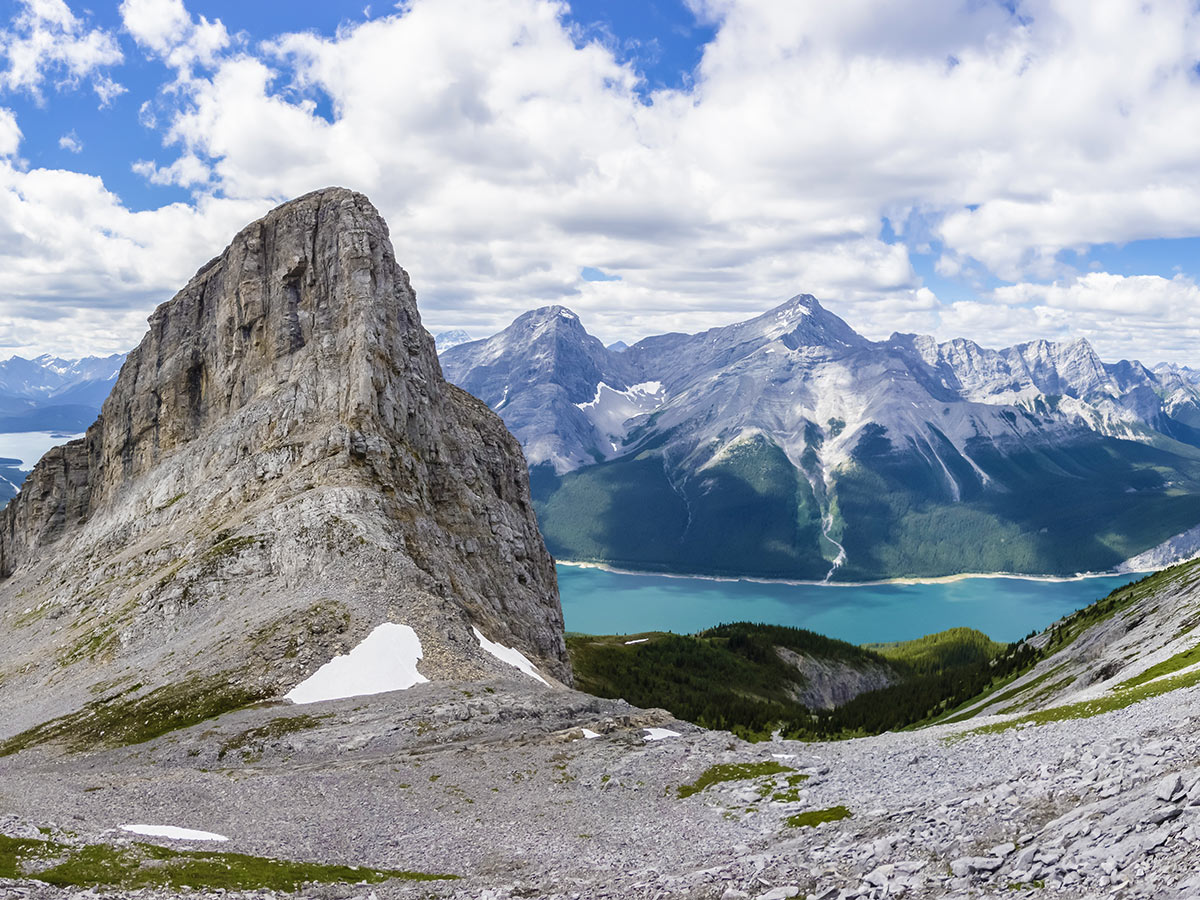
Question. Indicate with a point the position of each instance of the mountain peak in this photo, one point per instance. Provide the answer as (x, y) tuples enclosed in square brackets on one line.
[(801, 304), (546, 315), (281, 461), (801, 321)]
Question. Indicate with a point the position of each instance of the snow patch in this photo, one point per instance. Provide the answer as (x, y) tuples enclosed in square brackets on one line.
[(610, 409), (509, 655), (386, 660), (174, 833), (659, 734), (589, 735), (637, 641)]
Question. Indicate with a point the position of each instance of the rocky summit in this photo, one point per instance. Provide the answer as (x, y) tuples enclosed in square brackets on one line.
[(279, 469)]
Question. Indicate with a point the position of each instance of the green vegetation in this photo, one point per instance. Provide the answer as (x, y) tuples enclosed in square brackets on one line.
[(791, 793), (120, 719), (731, 772), (227, 545), (733, 678), (1179, 661), (944, 650), (816, 817), (633, 512), (900, 519), (1120, 698), (150, 866), (1058, 509), (256, 737)]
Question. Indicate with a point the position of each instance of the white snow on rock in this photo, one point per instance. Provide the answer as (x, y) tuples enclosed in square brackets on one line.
[(589, 735), (611, 409), (386, 660), (174, 833), (659, 734), (509, 655), (637, 641)]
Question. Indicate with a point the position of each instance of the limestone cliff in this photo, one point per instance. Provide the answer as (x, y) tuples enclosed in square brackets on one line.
[(279, 468)]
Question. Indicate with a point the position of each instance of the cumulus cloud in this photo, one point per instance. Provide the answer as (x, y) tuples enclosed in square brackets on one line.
[(10, 133), (505, 148), (79, 272), (168, 30), (1139, 316), (46, 41)]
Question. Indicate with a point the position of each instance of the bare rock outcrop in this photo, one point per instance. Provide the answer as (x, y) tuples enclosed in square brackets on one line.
[(830, 683), (279, 468)]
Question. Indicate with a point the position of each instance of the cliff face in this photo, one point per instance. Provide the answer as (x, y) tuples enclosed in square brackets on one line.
[(282, 440)]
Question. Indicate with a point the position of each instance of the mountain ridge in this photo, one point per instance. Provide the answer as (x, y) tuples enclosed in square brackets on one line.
[(798, 393)]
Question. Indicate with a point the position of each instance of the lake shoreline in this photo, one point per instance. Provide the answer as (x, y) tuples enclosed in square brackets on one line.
[(934, 579), (597, 600)]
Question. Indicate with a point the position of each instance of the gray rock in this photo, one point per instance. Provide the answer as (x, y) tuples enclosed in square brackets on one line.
[(279, 468), (1169, 788)]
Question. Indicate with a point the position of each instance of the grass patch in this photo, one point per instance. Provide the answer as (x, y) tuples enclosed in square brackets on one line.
[(1036, 699), (1008, 695), (271, 731), (1166, 667), (790, 794), (815, 817), (118, 721), (151, 866), (231, 546), (1118, 699), (731, 772)]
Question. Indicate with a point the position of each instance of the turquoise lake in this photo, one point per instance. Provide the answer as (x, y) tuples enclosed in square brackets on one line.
[(598, 602)]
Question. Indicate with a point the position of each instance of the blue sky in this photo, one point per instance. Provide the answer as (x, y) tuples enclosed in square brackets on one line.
[(976, 169)]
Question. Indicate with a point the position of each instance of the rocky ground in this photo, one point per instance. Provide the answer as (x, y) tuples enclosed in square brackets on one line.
[(496, 782)]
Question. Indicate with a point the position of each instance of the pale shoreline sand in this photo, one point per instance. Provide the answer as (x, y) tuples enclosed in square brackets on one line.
[(941, 579)]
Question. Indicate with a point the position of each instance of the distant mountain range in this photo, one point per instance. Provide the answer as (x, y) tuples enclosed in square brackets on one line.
[(447, 339), (52, 395), (790, 446)]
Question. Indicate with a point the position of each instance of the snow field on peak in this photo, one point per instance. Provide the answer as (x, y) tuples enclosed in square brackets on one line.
[(610, 409), (509, 655), (173, 832), (385, 660)]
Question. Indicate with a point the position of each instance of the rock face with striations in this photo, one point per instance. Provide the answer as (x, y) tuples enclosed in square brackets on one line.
[(279, 469)]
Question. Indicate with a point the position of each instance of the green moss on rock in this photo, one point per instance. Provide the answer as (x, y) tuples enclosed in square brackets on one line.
[(143, 865), (120, 720)]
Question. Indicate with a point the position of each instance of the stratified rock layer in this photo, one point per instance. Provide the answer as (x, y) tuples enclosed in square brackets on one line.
[(279, 468)]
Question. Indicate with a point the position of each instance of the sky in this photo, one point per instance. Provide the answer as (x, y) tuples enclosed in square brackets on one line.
[(1000, 170)]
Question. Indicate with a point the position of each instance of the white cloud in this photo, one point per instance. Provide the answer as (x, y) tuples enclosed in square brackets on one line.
[(79, 272), (167, 29), (1141, 316), (71, 142), (45, 41), (187, 171), (505, 155), (10, 133)]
